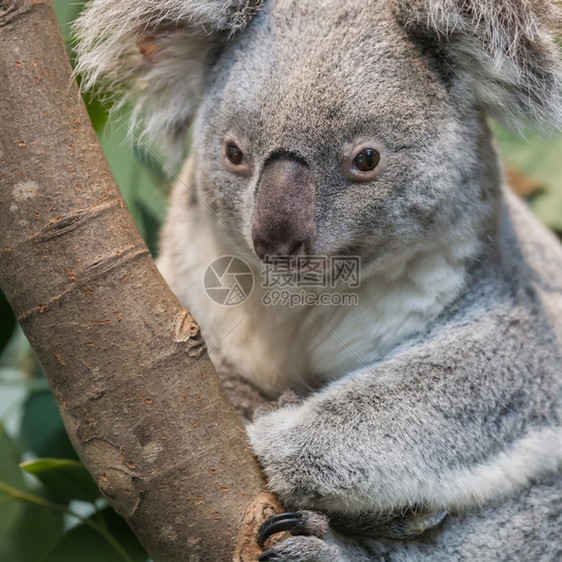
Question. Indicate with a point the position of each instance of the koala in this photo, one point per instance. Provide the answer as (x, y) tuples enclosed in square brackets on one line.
[(424, 422)]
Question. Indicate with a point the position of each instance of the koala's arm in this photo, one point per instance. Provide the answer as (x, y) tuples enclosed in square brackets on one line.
[(466, 417)]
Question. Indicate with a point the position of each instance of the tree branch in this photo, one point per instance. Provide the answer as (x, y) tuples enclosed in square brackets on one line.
[(127, 364)]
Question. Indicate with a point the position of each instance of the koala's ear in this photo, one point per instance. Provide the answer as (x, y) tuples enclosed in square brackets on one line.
[(503, 53), (153, 54)]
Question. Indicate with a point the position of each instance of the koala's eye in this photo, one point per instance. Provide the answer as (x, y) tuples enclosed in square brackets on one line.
[(367, 160), (364, 160), (234, 159), (233, 153)]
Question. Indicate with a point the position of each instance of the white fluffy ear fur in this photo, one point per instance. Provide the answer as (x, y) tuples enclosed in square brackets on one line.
[(151, 54), (504, 52)]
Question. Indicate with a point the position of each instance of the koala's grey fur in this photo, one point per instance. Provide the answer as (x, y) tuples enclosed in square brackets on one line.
[(441, 390)]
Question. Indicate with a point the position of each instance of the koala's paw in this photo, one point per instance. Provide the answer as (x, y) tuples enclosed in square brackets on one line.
[(288, 398), (305, 523), (302, 549), (310, 541), (307, 466)]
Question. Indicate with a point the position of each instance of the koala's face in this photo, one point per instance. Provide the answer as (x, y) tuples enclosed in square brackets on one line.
[(327, 130)]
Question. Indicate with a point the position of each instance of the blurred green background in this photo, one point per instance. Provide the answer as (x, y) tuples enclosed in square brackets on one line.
[(50, 509)]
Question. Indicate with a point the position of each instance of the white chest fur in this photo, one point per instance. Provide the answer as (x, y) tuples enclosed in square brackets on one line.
[(277, 347)]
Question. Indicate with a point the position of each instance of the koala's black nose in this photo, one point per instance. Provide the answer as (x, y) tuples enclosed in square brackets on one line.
[(263, 248), (285, 209)]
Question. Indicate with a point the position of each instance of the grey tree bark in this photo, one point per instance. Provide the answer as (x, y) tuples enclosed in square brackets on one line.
[(127, 364)]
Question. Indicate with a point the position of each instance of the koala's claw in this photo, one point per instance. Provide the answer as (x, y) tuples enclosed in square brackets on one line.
[(304, 549), (293, 521), (425, 522)]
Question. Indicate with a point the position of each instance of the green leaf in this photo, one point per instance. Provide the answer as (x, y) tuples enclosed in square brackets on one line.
[(98, 111), (27, 531), (66, 12), (42, 431), (34, 533), (11, 474), (139, 174), (151, 228), (65, 479), (86, 545)]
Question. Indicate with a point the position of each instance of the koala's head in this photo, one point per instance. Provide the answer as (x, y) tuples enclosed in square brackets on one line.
[(330, 127)]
